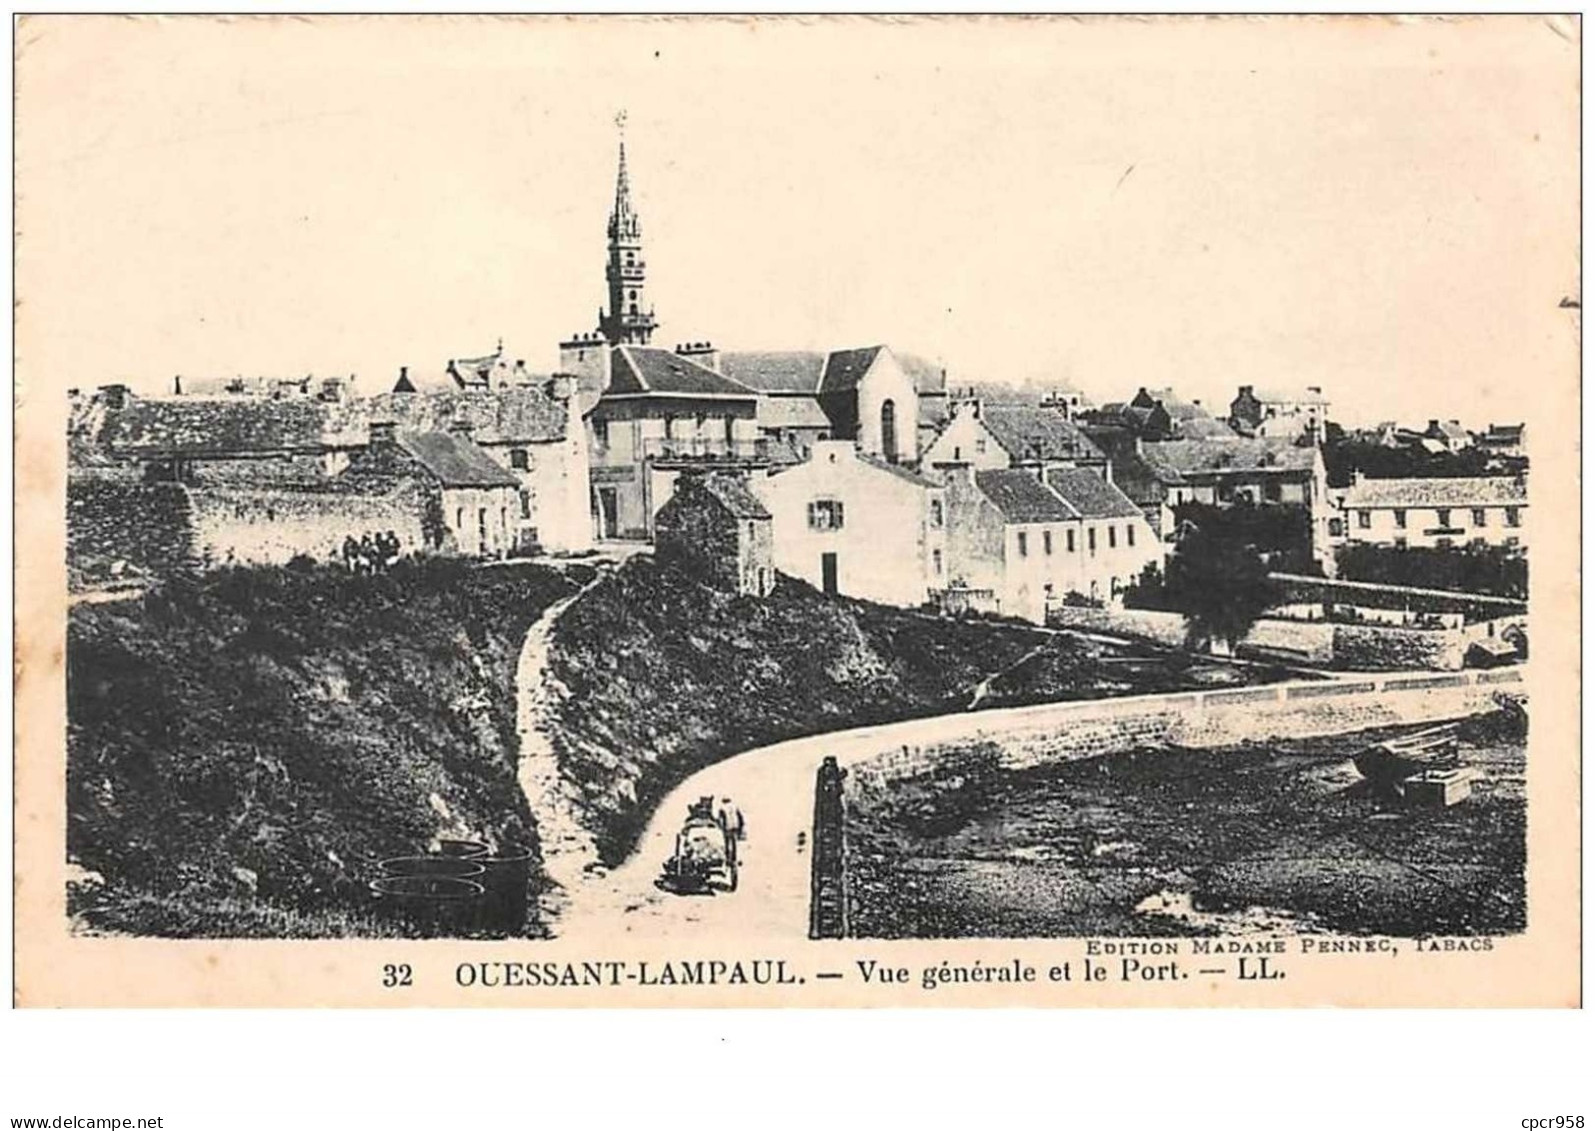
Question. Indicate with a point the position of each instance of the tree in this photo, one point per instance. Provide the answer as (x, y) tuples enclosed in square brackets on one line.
[(1220, 584)]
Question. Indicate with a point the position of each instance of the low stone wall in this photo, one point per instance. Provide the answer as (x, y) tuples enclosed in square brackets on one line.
[(271, 527), (1141, 624), (1062, 732), (116, 527), (1317, 590)]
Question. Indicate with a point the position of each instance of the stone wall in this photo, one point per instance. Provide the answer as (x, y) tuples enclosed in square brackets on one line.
[(271, 527), (116, 527), (1061, 732), (1142, 624)]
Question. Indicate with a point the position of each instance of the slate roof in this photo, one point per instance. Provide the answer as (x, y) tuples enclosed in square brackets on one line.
[(642, 370), (791, 412), (845, 368), (898, 470), (770, 371), (933, 410), (1173, 461), (197, 426), (1020, 497), (1504, 434), (513, 414), (1472, 491), (1449, 429), (1175, 405), (454, 461), (1276, 394), (1090, 494), (732, 492), (1029, 432)]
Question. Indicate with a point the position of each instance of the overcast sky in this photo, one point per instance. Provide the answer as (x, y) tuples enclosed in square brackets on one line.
[(1385, 209)]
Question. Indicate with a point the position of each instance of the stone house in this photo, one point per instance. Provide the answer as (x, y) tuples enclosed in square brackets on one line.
[(1031, 539), (532, 429), (848, 522), (1459, 511), (1448, 436), (715, 525), (996, 436), (659, 413), (470, 502), (1259, 410)]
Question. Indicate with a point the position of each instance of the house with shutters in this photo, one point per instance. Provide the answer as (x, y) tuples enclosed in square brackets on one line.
[(848, 522), (1436, 512), (1022, 540)]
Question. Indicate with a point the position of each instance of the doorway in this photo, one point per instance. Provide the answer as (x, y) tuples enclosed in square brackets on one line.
[(608, 512), (828, 573)]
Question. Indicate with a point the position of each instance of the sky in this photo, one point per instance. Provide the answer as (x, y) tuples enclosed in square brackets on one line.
[(1386, 208)]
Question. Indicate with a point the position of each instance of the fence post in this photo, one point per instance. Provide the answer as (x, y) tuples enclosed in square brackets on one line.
[(827, 882)]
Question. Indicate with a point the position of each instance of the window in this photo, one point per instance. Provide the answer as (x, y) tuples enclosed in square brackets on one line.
[(1068, 541), (1024, 544), (1129, 534), (750, 532), (1046, 542), (1364, 519), (1478, 516), (1514, 517), (958, 453), (935, 561), (1401, 542), (670, 427), (526, 504), (518, 459), (980, 445), (731, 429), (1444, 543), (459, 518), (481, 527), (825, 514), (935, 514), (889, 431), (1271, 491), (1091, 539), (1401, 518), (1336, 528), (1511, 543), (1442, 516), (601, 433), (1113, 537)]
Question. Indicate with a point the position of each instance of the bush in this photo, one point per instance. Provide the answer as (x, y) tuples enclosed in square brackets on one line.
[(1496, 570)]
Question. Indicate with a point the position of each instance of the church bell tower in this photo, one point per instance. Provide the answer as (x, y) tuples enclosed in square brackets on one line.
[(630, 320)]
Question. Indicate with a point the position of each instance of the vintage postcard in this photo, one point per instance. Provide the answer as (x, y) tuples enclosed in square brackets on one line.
[(649, 511)]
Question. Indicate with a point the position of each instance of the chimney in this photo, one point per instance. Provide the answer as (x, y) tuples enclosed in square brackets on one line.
[(703, 353), (177, 385), (115, 396), (1318, 389), (1434, 425), (384, 433)]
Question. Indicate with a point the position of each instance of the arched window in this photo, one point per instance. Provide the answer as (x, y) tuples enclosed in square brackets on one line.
[(889, 431), (634, 308)]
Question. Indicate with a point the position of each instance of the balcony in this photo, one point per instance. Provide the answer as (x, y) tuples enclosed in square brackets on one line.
[(705, 450)]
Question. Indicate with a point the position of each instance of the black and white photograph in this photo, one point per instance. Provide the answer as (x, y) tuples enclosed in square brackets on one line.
[(684, 496)]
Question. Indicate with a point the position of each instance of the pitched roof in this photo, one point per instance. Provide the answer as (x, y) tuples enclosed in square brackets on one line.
[(1175, 460), (1020, 497), (791, 412), (1449, 429), (845, 368), (641, 370), (1279, 394), (1471, 491), (1031, 432), (513, 414), (731, 491), (898, 470), (768, 371), (243, 425), (1175, 405), (1504, 434), (1202, 428), (1090, 494), (933, 410), (454, 460)]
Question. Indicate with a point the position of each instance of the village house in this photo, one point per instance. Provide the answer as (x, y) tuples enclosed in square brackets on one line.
[(994, 436), (1448, 435), (531, 426), (470, 501), (1020, 542), (848, 522), (1266, 471), (1264, 411), (1461, 511), (1503, 440), (715, 525)]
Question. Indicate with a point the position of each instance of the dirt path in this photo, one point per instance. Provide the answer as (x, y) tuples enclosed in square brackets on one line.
[(568, 848)]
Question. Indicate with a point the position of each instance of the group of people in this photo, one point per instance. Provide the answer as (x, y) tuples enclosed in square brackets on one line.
[(371, 554)]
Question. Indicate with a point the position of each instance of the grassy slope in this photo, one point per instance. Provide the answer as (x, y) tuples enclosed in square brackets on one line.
[(667, 675), (297, 725)]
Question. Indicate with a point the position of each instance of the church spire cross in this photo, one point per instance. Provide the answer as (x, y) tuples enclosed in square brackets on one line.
[(623, 221)]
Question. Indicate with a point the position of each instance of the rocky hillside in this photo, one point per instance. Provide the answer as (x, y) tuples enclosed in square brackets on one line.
[(244, 748), (662, 675)]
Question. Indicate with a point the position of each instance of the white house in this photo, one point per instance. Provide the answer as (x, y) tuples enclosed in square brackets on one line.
[(848, 522), (1487, 510), (995, 436)]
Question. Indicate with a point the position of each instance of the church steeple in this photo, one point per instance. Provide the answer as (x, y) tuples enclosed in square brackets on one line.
[(630, 320)]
